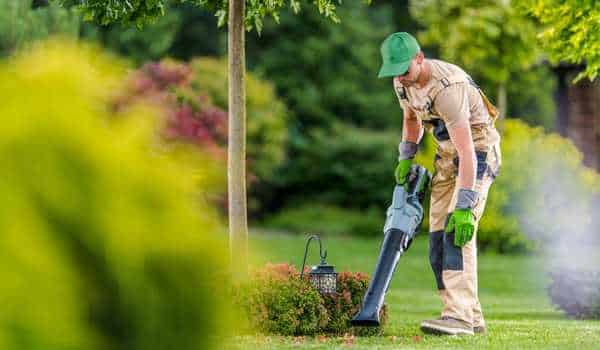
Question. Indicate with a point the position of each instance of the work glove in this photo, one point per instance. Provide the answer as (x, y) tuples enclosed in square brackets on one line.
[(462, 223), (407, 151), (462, 219), (402, 171)]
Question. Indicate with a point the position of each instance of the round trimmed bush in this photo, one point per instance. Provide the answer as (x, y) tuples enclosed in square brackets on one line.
[(277, 301)]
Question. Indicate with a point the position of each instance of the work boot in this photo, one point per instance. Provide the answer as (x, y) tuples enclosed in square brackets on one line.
[(446, 325), (479, 329)]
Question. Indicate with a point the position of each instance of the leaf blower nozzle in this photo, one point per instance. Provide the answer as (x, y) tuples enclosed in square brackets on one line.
[(404, 216)]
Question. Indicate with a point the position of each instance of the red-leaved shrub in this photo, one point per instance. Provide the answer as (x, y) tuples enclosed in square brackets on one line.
[(188, 114)]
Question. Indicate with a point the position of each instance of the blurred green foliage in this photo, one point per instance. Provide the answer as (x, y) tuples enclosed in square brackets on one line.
[(345, 166), (328, 72), (530, 97), (490, 38), (543, 192), (342, 124), (107, 243), (194, 100), (570, 31), (267, 115), (328, 220), (495, 43), (21, 23), (137, 44)]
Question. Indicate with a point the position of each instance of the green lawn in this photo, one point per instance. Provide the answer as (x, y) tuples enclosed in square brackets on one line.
[(512, 293)]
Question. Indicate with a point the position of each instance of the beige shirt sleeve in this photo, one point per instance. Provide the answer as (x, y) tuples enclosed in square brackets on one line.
[(452, 105)]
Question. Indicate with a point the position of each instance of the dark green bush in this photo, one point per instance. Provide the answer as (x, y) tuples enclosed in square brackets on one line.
[(347, 167), (277, 301), (328, 220), (576, 292), (104, 242)]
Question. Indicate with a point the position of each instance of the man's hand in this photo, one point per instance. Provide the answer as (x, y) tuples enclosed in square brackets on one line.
[(402, 171), (462, 222)]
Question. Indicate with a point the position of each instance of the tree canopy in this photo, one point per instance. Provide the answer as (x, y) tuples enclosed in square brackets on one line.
[(494, 41), (141, 12), (571, 31)]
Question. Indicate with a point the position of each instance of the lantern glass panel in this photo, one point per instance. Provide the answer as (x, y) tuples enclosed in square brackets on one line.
[(314, 279), (329, 283)]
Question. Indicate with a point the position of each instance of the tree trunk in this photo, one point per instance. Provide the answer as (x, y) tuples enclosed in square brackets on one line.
[(236, 161), (501, 106)]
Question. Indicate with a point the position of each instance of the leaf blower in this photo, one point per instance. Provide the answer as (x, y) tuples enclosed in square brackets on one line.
[(404, 216)]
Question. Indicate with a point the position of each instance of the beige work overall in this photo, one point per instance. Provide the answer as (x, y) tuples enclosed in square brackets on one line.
[(455, 268)]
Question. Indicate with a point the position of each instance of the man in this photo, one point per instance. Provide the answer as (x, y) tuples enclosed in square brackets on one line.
[(442, 98)]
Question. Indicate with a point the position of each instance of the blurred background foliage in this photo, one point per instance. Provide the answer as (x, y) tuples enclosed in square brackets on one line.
[(321, 128), (496, 44), (25, 21), (108, 241)]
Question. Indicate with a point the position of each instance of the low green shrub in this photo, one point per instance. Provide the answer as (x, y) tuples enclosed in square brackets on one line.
[(277, 301), (328, 220)]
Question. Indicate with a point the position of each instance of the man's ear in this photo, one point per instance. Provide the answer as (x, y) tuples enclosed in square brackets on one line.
[(420, 57)]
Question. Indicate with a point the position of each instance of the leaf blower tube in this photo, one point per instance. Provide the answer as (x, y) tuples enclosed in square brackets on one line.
[(404, 216)]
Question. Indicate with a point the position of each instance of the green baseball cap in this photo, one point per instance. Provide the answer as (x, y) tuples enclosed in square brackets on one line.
[(397, 51)]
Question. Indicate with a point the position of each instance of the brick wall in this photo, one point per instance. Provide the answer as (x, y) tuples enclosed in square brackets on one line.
[(582, 123)]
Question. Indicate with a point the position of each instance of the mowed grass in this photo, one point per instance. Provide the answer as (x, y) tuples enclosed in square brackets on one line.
[(512, 291)]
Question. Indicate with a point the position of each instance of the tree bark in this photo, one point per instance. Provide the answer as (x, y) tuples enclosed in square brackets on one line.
[(502, 106), (236, 161)]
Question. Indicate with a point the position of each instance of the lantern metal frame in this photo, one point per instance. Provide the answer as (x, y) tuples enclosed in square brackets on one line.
[(317, 272)]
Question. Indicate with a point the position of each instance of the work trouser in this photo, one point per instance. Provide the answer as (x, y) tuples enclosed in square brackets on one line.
[(455, 268)]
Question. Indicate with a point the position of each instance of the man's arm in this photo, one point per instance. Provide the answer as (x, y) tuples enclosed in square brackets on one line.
[(467, 161), (453, 105), (411, 134), (412, 130)]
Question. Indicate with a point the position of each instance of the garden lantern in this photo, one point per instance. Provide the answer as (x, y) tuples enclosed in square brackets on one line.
[(323, 276)]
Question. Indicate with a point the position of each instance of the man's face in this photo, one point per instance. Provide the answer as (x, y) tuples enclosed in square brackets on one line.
[(412, 74)]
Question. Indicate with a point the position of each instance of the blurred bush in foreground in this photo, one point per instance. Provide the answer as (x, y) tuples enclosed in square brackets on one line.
[(105, 241)]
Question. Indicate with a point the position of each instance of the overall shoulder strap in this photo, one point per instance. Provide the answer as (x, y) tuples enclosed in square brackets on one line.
[(401, 92), (460, 78)]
